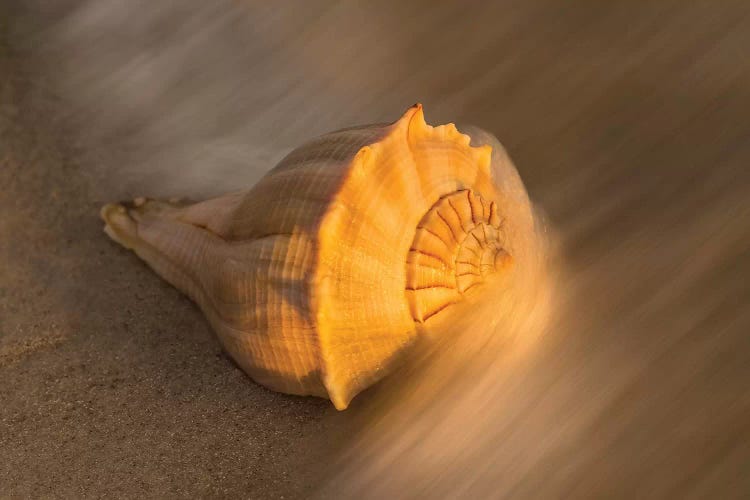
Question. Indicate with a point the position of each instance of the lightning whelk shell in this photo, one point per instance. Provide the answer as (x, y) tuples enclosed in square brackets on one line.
[(318, 277)]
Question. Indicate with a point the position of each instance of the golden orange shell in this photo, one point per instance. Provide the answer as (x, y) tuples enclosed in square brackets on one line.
[(317, 278)]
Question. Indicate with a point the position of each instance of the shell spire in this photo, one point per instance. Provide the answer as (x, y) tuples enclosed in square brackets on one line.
[(367, 235), (457, 245)]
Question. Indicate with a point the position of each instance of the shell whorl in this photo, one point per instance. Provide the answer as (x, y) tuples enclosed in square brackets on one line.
[(458, 245), (392, 187)]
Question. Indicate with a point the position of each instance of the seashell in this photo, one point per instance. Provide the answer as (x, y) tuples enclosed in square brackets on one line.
[(320, 276)]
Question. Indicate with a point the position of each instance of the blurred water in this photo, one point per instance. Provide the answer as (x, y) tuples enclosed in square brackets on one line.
[(629, 124)]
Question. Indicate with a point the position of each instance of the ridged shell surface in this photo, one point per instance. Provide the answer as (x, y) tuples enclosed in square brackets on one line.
[(318, 278)]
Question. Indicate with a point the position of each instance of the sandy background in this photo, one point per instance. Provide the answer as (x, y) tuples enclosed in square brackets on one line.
[(629, 124)]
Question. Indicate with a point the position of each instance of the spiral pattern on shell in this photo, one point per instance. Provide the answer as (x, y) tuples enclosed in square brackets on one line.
[(457, 247)]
